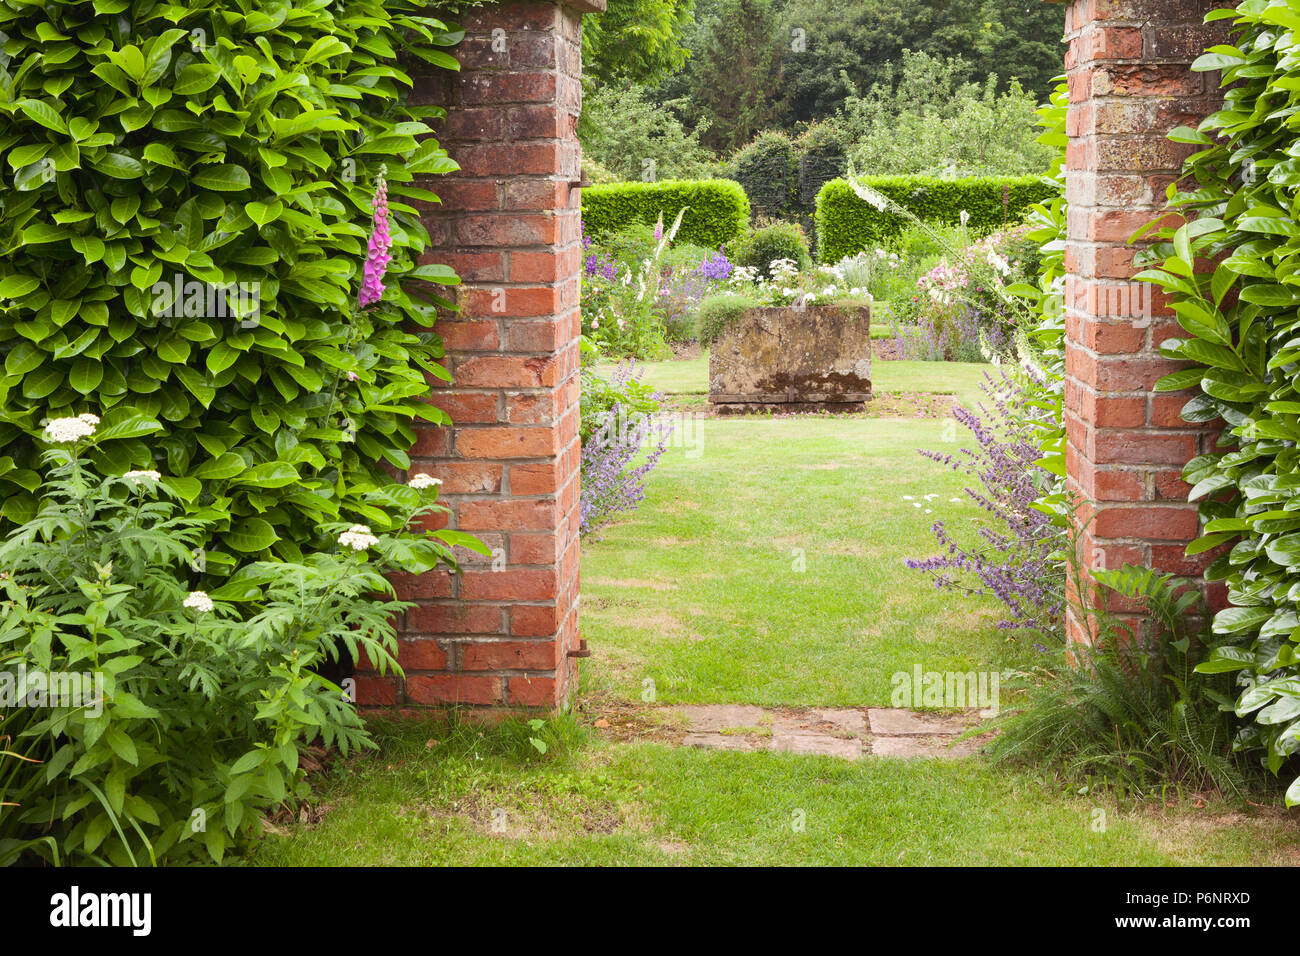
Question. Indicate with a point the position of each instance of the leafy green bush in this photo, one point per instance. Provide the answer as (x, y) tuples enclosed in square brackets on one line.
[(766, 244), (847, 224), (203, 274), (823, 155), (1240, 321), (927, 119), (719, 312), (194, 706), (768, 169), (717, 210)]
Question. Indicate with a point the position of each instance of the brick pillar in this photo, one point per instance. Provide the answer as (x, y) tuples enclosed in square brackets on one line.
[(500, 633), (1130, 85)]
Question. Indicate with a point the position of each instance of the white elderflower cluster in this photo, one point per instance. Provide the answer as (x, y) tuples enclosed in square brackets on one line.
[(135, 476), (71, 429), (424, 481), (358, 538), (199, 601)]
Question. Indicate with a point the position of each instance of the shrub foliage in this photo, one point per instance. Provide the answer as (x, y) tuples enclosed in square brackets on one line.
[(152, 149), (1240, 322)]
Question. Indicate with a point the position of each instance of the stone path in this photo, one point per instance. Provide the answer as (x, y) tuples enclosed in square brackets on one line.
[(837, 732)]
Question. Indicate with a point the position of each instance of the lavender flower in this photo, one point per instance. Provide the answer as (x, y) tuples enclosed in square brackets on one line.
[(377, 257), (1017, 558), (610, 483)]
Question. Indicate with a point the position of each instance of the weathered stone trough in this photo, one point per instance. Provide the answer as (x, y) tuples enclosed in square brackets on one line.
[(788, 358)]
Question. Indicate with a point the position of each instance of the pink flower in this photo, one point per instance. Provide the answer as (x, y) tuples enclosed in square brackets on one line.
[(377, 257)]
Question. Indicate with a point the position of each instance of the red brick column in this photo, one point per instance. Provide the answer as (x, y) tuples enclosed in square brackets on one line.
[(1130, 84), (500, 634)]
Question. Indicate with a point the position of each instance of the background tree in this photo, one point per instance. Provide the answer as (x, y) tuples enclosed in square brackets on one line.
[(635, 41), (825, 43), (733, 73), (1021, 39)]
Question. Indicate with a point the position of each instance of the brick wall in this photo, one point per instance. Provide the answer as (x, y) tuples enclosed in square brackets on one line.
[(500, 633), (1127, 63)]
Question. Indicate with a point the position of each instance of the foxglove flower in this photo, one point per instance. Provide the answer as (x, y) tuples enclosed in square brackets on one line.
[(377, 257)]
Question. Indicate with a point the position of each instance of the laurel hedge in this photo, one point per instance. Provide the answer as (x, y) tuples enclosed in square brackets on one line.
[(846, 224), (216, 145), (1231, 274)]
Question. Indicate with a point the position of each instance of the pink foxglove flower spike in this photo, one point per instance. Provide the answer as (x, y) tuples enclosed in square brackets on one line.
[(377, 257)]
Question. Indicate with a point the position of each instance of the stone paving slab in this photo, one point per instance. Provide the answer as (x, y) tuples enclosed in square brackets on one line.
[(817, 744), (843, 732), (931, 745), (713, 718), (896, 722), (724, 742)]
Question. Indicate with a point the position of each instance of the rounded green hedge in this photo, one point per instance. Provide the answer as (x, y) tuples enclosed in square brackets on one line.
[(768, 170), (846, 225), (717, 210)]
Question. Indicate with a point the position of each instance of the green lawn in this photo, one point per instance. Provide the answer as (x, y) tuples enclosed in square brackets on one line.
[(769, 568), (434, 797), (765, 567)]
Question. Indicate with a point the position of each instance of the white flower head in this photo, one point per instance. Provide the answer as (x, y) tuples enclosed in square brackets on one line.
[(135, 476), (358, 538), (199, 601), (422, 481), (70, 429), (965, 218), (869, 195)]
